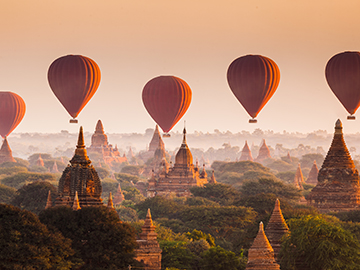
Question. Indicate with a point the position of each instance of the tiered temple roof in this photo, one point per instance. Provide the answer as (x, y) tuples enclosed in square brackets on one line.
[(338, 186), (81, 179), (261, 254), (264, 153), (100, 145), (313, 174), (276, 229), (5, 152), (119, 196), (246, 153), (149, 251), (178, 179)]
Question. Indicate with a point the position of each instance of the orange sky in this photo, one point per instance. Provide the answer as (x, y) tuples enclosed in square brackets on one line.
[(133, 41)]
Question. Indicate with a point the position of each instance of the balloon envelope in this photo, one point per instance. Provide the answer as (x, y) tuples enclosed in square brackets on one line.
[(343, 76), (74, 79), (166, 98), (12, 111), (253, 79)]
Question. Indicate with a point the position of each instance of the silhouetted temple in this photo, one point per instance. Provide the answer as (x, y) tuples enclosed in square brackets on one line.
[(313, 175), (80, 178), (261, 254), (149, 251), (178, 179), (276, 229), (338, 186), (264, 153), (101, 149), (246, 153), (5, 152)]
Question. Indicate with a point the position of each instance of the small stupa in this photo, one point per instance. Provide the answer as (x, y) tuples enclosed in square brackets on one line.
[(149, 251), (40, 161), (5, 152), (48, 201), (54, 168), (338, 186), (264, 153), (246, 153), (313, 174), (119, 196), (110, 204), (261, 254), (80, 178), (212, 178), (276, 229), (299, 178)]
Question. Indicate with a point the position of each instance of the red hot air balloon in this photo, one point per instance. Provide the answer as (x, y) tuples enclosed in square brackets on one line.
[(166, 98), (12, 111), (74, 79), (253, 79), (343, 76)]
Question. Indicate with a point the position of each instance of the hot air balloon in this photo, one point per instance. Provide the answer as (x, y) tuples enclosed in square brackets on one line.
[(166, 98), (12, 111), (74, 79), (343, 76), (253, 79)]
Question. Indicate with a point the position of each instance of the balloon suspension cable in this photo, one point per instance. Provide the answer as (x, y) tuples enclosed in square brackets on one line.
[(252, 120), (73, 121), (351, 117)]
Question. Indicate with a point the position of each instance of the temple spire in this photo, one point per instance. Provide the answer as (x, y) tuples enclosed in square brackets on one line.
[(76, 204), (184, 136), (261, 254), (80, 151), (110, 202), (49, 201)]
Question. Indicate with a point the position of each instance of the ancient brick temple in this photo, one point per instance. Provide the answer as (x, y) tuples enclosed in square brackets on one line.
[(261, 254), (276, 229), (149, 251), (178, 179), (158, 161), (80, 177), (154, 144), (39, 161), (119, 196), (313, 174), (338, 186), (5, 152), (246, 153), (101, 150), (264, 153), (299, 178)]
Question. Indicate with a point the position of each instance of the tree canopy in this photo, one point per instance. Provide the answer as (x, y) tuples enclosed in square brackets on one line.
[(26, 243), (99, 238)]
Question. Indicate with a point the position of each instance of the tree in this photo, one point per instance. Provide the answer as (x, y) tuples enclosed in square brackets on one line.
[(99, 238), (242, 167), (20, 179), (160, 207), (25, 243), (307, 160), (12, 170), (33, 196), (266, 185), (221, 193), (319, 242), (176, 254), (6, 193), (281, 166), (217, 258), (133, 170)]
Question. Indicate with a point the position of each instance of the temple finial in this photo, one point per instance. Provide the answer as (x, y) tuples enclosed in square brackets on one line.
[(81, 143), (76, 205), (110, 202)]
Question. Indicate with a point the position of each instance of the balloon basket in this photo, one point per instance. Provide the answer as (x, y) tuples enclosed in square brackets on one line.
[(351, 117), (73, 121), (252, 121), (166, 135)]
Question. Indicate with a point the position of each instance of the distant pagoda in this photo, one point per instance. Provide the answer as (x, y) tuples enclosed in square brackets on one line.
[(298, 178), (246, 153), (119, 196), (338, 186), (101, 147), (5, 152), (39, 161), (212, 178), (261, 254), (264, 153), (149, 251), (276, 229), (313, 174), (81, 179)]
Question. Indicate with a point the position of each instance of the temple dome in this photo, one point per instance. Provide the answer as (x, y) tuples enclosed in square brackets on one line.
[(184, 156)]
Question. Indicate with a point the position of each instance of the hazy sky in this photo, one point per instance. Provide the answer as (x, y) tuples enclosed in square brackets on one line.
[(134, 41)]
